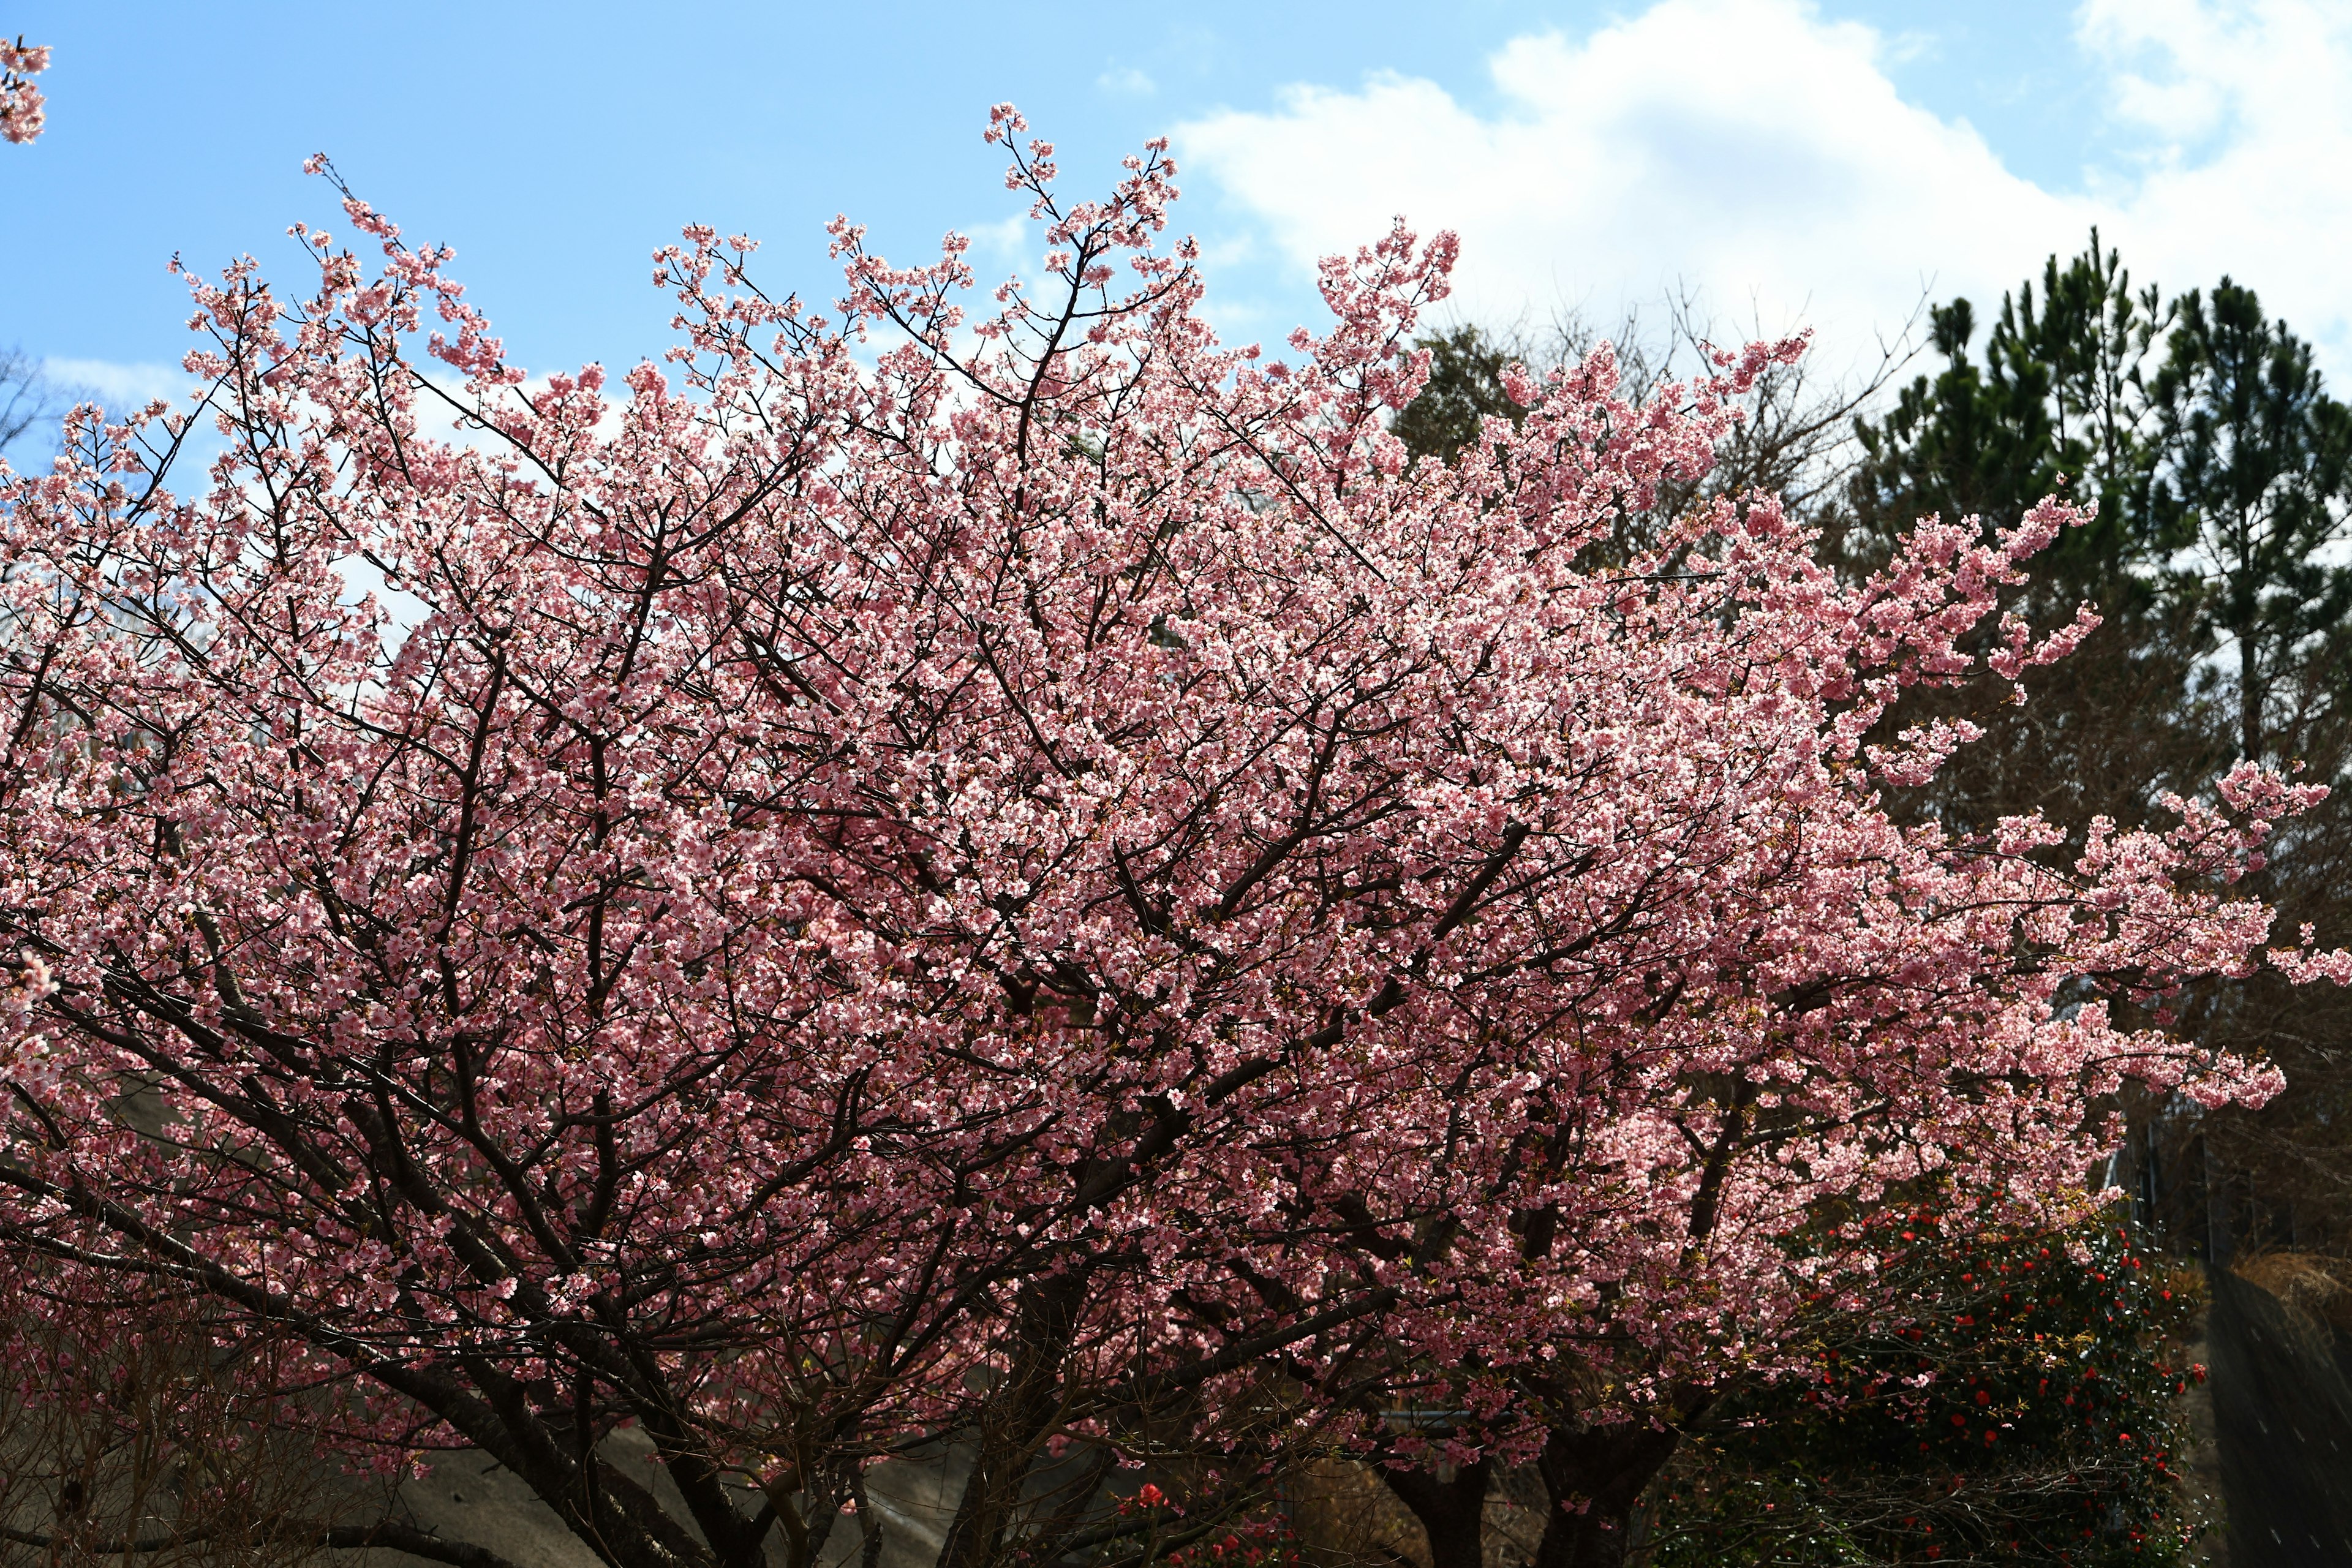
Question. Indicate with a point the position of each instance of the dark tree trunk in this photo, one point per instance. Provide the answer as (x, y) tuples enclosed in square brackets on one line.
[(1593, 1477), (1451, 1512), (1013, 1423)]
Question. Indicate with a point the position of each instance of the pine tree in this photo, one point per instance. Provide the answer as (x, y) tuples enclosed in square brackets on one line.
[(2056, 403)]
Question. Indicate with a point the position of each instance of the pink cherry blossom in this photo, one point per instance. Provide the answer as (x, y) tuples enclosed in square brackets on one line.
[(21, 111)]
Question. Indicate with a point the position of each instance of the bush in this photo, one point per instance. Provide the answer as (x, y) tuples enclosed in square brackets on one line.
[(2021, 1403)]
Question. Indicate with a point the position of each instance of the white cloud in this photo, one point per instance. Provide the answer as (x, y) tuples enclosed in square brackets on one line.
[(1006, 238), (1760, 153), (1127, 81), (120, 388), (2252, 172)]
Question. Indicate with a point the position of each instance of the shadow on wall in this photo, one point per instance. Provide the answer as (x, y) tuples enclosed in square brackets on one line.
[(470, 1496), (2282, 1412)]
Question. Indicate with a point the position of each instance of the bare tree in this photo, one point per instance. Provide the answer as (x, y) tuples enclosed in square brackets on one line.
[(1797, 441), (29, 397)]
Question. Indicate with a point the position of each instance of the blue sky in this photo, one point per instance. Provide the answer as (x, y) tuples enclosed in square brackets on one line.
[(1793, 161)]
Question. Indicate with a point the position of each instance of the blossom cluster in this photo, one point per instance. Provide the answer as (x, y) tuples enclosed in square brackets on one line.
[(21, 110)]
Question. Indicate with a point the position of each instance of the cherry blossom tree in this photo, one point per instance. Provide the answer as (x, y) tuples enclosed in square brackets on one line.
[(993, 865)]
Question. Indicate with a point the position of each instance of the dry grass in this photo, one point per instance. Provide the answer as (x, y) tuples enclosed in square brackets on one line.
[(2319, 1287)]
